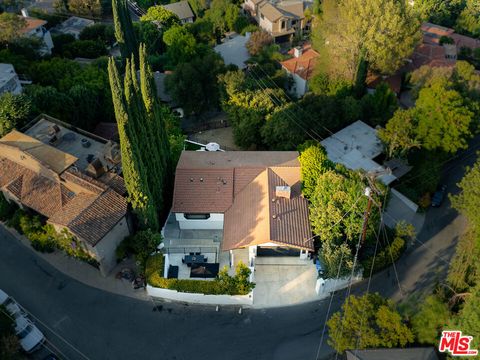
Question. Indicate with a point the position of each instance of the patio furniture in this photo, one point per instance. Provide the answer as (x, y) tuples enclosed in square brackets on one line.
[(205, 260), (194, 259), (191, 253), (205, 271), (197, 253)]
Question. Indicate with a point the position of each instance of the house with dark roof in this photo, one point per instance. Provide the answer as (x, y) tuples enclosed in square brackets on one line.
[(73, 26), (281, 19), (183, 10), (235, 206), (49, 170)]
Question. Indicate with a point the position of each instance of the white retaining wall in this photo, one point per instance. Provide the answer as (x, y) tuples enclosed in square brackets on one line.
[(200, 298), (324, 287)]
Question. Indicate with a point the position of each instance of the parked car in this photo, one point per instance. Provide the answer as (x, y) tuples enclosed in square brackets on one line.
[(438, 196), (30, 337)]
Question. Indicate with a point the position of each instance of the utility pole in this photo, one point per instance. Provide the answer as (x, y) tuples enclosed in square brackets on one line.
[(368, 193)]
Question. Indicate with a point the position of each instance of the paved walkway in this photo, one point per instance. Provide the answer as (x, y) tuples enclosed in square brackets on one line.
[(84, 272)]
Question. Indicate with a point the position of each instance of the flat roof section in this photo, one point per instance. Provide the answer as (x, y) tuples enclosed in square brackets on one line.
[(81, 146), (55, 159)]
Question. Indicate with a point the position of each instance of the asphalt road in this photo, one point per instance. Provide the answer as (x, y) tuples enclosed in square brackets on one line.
[(87, 323)]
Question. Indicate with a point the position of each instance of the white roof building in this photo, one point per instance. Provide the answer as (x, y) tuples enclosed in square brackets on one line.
[(234, 50), (9, 81), (355, 146)]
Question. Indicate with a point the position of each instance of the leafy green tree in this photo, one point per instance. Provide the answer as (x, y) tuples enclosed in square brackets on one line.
[(379, 107), (247, 111), (469, 19), (334, 196), (91, 8), (464, 270), (443, 119), (99, 32), (223, 15), (468, 318), (47, 99), (203, 31), (258, 40), (400, 133), (194, 83), (14, 111), (161, 16), (384, 31), (89, 49), (181, 45), (314, 162), (369, 321), (198, 7), (429, 320), (124, 32), (10, 26)]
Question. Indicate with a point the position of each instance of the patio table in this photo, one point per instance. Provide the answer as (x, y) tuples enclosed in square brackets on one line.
[(194, 259)]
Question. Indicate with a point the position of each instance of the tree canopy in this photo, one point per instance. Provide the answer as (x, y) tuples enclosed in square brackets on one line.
[(10, 26), (14, 111), (369, 321), (383, 32), (163, 17)]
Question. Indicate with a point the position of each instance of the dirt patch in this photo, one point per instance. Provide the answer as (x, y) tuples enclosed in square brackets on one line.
[(222, 136)]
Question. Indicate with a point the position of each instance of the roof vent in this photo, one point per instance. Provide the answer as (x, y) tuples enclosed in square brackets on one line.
[(283, 192)]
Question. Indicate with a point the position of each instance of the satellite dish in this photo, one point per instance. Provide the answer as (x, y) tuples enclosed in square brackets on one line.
[(212, 146)]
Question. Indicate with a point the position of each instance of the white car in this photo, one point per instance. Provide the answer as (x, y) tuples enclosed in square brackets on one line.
[(28, 334)]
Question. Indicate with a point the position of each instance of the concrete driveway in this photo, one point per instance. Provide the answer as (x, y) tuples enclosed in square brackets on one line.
[(282, 281)]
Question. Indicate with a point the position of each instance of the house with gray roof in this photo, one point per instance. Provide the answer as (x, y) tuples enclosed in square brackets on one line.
[(73, 26), (183, 10)]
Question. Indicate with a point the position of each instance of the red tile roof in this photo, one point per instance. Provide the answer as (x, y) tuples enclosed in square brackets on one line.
[(304, 65), (242, 185), (86, 207)]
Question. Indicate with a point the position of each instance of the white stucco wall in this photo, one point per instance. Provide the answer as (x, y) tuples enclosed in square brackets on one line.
[(200, 298), (324, 287), (105, 249), (265, 24), (215, 222), (300, 85)]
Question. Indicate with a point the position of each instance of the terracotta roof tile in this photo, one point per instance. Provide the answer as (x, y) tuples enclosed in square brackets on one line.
[(304, 65), (93, 223), (32, 24)]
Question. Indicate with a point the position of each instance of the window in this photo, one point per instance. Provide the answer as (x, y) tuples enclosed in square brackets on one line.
[(189, 216), (263, 17), (283, 24)]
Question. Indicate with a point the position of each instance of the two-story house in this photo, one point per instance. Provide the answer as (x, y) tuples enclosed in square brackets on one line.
[(36, 28), (282, 19), (300, 67)]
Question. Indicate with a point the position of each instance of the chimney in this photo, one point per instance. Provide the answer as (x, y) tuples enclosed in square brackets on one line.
[(297, 51), (24, 12), (283, 192)]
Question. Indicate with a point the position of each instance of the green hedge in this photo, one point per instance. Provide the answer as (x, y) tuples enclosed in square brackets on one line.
[(383, 258), (6, 208), (223, 285)]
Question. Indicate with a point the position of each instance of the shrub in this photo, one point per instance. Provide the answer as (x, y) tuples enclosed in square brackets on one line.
[(7, 209), (14, 221), (224, 284), (385, 257), (142, 244)]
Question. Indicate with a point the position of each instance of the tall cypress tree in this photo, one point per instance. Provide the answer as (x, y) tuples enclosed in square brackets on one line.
[(134, 171), (124, 32)]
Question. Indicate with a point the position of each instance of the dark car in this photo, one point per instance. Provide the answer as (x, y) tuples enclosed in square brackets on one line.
[(438, 196)]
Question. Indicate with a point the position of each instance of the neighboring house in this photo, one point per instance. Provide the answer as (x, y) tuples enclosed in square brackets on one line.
[(234, 51), (9, 81), (73, 26), (394, 82), (238, 205), (47, 6), (393, 354), (356, 146), (281, 19), (300, 67), (36, 28), (183, 10), (70, 177)]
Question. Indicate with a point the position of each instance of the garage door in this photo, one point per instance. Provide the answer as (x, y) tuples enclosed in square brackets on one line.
[(277, 251)]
